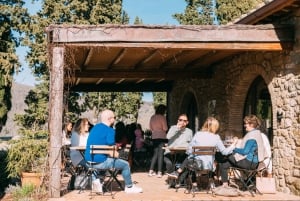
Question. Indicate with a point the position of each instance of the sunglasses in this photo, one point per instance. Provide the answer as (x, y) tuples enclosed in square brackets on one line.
[(184, 120)]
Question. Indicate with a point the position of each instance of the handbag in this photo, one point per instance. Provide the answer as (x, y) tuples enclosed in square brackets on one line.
[(266, 184), (124, 154), (195, 164)]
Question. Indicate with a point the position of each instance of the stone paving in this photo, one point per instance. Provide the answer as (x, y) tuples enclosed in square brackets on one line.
[(156, 189)]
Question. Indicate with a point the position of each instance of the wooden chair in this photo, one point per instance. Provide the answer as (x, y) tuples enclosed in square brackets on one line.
[(197, 170)]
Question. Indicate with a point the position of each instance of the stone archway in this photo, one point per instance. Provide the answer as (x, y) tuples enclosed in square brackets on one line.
[(258, 102), (189, 106), (238, 94)]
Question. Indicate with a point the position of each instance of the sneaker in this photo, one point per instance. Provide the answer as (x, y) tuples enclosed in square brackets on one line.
[(133, 189), (159, 175), (151, 173), (173, 175), (97, 186)]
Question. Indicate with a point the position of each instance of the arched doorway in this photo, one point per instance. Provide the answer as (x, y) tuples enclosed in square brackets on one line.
[(189, 106), (258, 102)]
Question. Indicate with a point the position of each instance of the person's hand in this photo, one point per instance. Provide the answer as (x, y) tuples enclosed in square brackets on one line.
[(179, 125), (235, 140)]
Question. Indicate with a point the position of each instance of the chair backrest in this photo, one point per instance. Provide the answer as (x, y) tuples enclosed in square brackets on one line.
[(104, 149), (203, 150)]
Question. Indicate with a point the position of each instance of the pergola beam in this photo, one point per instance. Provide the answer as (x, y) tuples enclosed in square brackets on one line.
[(205, 34)]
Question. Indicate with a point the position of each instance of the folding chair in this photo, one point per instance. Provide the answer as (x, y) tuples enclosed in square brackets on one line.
[(106, 176), (196, 169), (246, 177), (110, 174)]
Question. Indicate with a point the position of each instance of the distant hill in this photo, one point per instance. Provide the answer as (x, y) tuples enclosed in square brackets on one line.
[(145, 113), (18, 92)]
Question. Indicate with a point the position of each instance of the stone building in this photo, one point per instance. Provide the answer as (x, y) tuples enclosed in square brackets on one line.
[(263, 83), (249, 67)]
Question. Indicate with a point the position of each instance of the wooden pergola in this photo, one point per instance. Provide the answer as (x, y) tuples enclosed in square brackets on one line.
[(141, 58)]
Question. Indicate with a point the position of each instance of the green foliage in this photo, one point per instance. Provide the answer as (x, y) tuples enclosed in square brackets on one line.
[(137, 21), (72, 108), (202, 12), (197, 12), (124, 104), (229, 10), (61, 12), (11, 16), (27, 192), (4, 173), (159, 98), (28, 153), (124, 18)]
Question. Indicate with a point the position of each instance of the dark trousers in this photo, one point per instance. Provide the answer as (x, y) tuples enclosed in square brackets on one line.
[(158, 154), (231, 162), (172, 159)]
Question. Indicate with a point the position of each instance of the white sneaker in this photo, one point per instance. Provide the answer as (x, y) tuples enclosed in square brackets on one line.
[(133, 189), (97, 186)]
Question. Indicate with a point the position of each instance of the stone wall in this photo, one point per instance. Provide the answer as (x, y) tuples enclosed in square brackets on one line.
[(229, 86)]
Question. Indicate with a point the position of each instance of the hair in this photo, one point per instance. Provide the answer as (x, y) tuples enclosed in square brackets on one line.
[(253, 120), (138, 126), (161, 109), (211, 125), (79, 125), (65, 128), (183, 115), (120, 131)]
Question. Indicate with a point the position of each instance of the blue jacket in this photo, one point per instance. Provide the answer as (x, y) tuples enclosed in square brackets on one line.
[(249, 151), (100, 134)]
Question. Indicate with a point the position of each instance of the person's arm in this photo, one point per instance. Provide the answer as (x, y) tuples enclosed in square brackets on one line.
[(225, 151), (247, 148), (110, 137), (164, 124), (74, 139), (173, 130), (191, 144)]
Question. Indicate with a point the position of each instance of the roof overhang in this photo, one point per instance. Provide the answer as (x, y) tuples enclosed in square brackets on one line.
[(150, 58)]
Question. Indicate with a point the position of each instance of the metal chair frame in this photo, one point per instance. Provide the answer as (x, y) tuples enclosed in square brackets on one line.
[(200, 150), (246, 176)]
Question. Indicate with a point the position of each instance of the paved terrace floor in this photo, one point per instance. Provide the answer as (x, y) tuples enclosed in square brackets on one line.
[(156, 189)]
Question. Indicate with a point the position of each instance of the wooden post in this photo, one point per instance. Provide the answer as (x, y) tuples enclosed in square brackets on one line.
[(55, 120)]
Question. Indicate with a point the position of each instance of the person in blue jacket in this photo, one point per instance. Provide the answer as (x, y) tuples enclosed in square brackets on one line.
[(103, 134), (250, 152)]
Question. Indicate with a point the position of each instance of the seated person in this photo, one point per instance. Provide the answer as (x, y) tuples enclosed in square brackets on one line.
[(139, 138), (206, 137), (247, 156), (103, 134), (178, 136), (79, 137)]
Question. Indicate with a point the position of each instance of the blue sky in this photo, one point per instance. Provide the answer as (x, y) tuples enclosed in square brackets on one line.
[(152, 12)]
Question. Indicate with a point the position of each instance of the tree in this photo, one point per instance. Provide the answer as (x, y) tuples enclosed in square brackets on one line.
[(137, 21), (197, 12), (11, 18), (36, 115), (159, 98), (124, 104), (203, 12), (65, 12), (229, 10)]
